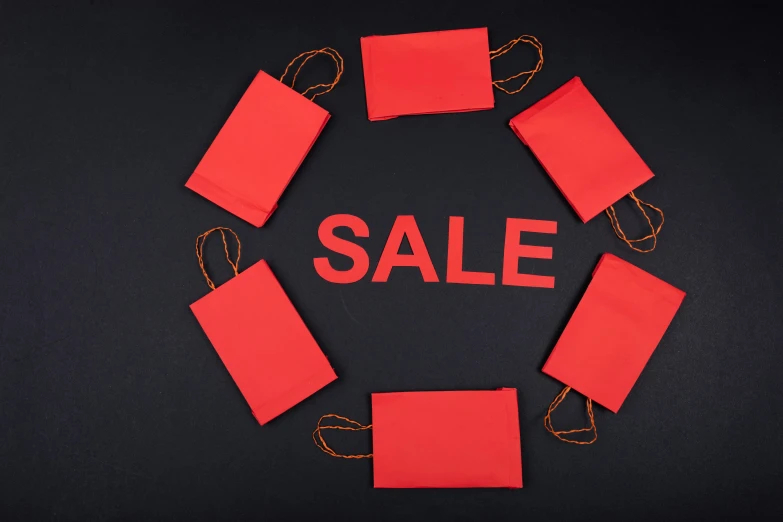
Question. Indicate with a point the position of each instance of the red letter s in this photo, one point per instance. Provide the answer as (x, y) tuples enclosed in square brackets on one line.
[(361, 262)]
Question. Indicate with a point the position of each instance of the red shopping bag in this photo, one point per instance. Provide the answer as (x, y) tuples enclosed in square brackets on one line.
[(262, 144), (428, 73), (260, 337), (440, 439), (586, 156), (610, 337)]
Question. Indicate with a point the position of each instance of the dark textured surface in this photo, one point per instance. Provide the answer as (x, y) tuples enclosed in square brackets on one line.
[(113, 405)]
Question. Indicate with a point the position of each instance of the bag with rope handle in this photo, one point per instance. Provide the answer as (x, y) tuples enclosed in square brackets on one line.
[(611, 335), (436, 72), (263, 142), (438, 439), (588, 158), (260, 337)]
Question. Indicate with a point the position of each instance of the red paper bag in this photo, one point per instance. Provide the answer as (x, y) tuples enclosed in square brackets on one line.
[(261, 145), (585, 154), (428, 73), (260, 338), (612, 333), (443, 439)]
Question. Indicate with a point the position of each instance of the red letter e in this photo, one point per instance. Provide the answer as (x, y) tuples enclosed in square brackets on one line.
[(513, 251)]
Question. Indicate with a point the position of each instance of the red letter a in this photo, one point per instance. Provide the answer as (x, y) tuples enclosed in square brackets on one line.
[(405, 225)]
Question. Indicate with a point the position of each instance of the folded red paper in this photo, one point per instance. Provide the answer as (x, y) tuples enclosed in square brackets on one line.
[(585, 154), (434, 72), (613, 332), (441, 439), (262, 144), (260, 337)]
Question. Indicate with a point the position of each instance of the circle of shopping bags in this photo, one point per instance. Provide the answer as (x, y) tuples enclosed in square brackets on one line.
[(464, 438)]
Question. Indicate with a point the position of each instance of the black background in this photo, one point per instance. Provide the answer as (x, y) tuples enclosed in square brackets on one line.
[(113, 404)]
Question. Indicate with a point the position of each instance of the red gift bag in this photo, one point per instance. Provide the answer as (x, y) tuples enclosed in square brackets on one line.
[(428, 73), (610, 337), (586, 156), (262, 144), (260, 337), (441, 439)]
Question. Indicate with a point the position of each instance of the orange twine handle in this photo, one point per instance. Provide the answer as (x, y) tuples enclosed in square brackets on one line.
[(200, 252), (559, 434), (503, 49), (328, 51), (323, 446), (654, 231)]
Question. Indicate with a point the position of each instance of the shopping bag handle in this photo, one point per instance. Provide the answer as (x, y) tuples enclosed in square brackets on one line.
[(328, 51), (353, 426), (503, 49), (200, 251), (653, 231), (561, 434)]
